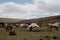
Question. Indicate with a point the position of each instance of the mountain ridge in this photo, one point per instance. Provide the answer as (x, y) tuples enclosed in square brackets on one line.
[(46, 19)]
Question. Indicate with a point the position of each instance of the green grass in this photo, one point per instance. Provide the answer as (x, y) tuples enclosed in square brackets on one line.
[(22, 33)]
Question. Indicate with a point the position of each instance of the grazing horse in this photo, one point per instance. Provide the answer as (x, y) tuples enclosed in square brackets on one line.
[(54, 25), (2, 24), (12, 31), (23, 25), (5, 26), (50, 25), (17, 25), (33, 25), (10, 27)]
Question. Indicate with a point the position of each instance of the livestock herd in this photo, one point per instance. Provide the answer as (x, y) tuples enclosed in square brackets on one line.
[(10, 27)]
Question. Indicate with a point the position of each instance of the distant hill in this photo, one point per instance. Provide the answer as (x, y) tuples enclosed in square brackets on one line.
[(37, 20), (40, 20), (9, 20)]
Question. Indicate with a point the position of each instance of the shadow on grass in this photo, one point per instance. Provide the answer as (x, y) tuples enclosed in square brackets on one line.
[(34, 30)]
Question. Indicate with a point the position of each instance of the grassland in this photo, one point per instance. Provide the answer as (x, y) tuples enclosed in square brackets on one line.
[(23, 34)]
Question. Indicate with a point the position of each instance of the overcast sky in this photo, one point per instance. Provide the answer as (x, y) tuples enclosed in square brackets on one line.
[(28, 9)]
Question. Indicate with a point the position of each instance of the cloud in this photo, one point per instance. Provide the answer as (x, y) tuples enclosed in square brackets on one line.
[(48, 5), (27, 11), (12, 10)]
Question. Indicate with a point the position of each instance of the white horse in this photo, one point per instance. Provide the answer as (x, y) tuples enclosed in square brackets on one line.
[(23, 25), (54, 25), (57, 24)]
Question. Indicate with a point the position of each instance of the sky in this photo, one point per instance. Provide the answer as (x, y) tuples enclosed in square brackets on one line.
[(29, 9)]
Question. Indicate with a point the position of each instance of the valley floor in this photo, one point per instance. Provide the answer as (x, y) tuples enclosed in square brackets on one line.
[(23, 34)]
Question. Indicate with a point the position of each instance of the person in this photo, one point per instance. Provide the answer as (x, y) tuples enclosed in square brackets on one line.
[(30, 28)]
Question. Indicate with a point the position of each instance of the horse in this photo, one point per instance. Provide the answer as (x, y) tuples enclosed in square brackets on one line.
[(54, 25), (2, 24), (23, 25), (10, 27)]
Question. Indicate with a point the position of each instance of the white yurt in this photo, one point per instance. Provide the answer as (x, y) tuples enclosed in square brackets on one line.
[(33, 25)]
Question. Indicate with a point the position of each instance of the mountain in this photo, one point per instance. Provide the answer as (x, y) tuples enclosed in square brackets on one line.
[(9, 20), (41, 20), (36, 20)]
